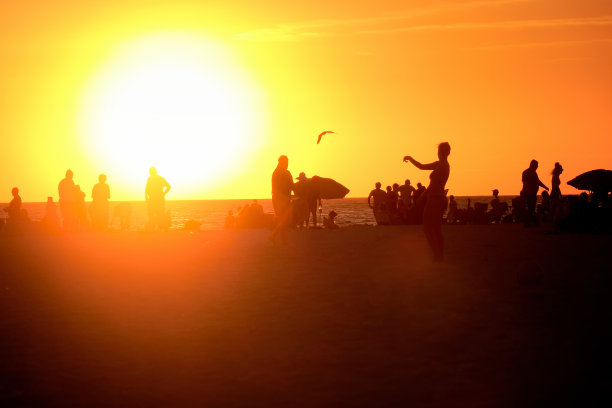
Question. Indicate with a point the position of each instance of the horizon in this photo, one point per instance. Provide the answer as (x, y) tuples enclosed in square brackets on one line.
[(212, 94)]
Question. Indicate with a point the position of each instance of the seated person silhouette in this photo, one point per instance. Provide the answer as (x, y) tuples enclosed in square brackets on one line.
[(330, 223)]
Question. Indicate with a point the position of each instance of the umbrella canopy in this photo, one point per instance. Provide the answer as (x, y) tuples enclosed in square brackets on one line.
[(329, 188), (594, 180)]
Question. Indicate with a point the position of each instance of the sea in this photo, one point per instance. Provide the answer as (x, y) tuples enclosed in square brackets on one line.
[(211, 213)]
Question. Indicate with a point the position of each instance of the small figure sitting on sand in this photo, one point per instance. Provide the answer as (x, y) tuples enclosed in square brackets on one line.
[(330, 223)]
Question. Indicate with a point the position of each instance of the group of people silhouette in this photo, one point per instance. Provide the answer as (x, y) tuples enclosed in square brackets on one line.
[(396, 204), (74, 212), (399, 204), (297, 210)]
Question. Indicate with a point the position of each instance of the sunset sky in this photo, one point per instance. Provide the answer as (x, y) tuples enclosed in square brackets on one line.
[(213, 92)]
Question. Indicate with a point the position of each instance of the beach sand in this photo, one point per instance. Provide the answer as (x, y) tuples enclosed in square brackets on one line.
[(348, 318)]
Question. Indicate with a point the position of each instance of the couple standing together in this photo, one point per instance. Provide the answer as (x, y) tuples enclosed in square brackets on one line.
[(435, 205)]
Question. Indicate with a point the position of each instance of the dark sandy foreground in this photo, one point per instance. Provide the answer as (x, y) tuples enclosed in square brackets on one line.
[(356, 317)]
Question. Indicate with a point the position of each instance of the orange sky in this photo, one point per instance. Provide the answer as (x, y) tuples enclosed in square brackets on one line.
[(503, 81)]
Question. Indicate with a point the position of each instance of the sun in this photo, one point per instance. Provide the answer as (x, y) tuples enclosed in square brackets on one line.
[(175, 101)]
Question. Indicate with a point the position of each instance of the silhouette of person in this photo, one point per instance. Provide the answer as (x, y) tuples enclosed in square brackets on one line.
[(377, 201), (406, 190), (435, 197), (155, 193), (378, 196), (307, 189), (452, 210), (67, 201), (81, 210), (100, 194), (330, 223), (495, 200), (282, 185), (555, 192), (418, 193), (14, 209), (529, 193), (391, 204)]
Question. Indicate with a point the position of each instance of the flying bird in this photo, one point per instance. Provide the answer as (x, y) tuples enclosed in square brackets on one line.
[(321, 135)]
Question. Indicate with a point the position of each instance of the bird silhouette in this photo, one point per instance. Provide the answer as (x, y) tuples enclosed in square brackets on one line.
[(321, 135)]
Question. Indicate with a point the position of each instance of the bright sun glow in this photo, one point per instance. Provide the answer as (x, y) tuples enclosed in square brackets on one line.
[(174, 101)]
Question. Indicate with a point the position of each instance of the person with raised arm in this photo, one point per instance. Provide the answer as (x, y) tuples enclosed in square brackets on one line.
[(435, 198)]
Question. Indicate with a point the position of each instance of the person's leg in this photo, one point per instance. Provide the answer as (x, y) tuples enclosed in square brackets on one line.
[(432, 225), (282, 213), (531, 209)]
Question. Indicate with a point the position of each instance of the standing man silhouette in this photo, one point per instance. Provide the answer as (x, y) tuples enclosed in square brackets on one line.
[(529, 193), (282, 185), (100, 195), (155, 194), (67, 201)]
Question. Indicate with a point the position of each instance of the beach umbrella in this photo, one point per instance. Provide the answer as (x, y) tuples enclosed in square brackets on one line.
[(329, 188), (593, 180)]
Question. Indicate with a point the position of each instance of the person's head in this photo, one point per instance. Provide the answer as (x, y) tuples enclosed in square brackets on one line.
[(495, 193), (301, 177), (102, 178), (50, 199), (443, 150), (407, 182), (378, 185), (69, 174), (152, 171), (545, 194), (332, 214), (452, 197), (419, 185), (15, 191), (283, 162), (389, 189), (558, 169), (395, 186), (533, 165)]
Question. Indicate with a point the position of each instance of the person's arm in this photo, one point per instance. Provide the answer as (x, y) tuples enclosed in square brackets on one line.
[(541, 184), (420, 166), (370, 196), (166, 187)]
